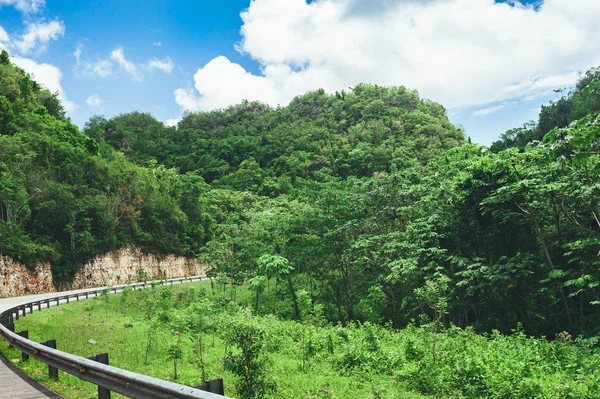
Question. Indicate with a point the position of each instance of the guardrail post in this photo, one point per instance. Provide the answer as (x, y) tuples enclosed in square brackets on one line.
[(57, 301), (213, 386), (39, 305), (67, 298), (47, 303), (10, 325), (52, 371), (103, 393), (30, 307), (24, 334)]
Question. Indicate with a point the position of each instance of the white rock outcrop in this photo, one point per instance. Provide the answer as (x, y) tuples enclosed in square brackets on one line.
[(117, 267)]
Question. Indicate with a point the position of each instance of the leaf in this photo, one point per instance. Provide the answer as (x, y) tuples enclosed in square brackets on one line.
[(556, 274)]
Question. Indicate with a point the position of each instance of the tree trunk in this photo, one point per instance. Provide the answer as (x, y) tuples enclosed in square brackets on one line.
[(294, 298), (551, 264), (256, 306)]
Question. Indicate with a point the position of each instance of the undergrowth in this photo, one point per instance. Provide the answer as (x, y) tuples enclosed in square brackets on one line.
[(192, 334)]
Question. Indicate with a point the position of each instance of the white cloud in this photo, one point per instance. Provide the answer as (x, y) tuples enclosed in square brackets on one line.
[(106, 67), (100, 68), (165, 65), (38, 34), (187, 99), (25, 6), (157, 44), (48, 76), (457, 52), (490, 110), (118, 55), (93, 101), (3, 35), (172, 122), (543, 84)]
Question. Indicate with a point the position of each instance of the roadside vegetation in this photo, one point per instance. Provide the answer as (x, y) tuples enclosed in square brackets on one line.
[(192, 333)]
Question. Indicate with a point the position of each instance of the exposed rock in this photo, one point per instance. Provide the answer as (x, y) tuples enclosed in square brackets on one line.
[(122, 266), (16, 280), (117, 267)]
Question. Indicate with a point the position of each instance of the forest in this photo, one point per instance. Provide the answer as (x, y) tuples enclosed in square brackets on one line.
[(368, 203)]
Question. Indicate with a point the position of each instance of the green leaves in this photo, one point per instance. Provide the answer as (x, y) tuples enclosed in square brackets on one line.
[(247, 358), (257, 283), (273, 265), (557, 273)]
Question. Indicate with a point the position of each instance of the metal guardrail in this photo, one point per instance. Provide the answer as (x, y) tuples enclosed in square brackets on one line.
[(118, 380)]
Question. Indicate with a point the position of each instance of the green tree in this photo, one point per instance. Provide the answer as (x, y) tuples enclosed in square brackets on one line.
[(247, 358)]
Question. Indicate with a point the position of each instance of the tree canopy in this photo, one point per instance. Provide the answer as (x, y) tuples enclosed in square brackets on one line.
[(367, 203)]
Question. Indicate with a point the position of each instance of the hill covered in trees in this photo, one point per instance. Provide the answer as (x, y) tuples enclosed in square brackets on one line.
[(367, 204), (64, 197)]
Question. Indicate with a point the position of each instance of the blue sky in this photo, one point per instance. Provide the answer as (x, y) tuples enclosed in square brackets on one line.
[(492, 65)]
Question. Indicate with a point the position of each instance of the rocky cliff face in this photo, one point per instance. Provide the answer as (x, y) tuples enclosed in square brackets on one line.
[(118, 267), (16, 280), (126, 264)]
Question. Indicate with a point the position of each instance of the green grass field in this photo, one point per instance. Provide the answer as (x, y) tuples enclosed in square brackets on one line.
[(75, 324), (309, 360)]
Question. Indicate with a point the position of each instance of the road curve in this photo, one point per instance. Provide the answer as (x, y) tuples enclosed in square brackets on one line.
[(14, 384)]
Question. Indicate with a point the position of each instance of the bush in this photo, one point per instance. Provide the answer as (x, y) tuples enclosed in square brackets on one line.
[(246, 357)]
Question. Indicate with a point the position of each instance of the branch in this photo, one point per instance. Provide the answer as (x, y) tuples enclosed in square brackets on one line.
[(522, 210)]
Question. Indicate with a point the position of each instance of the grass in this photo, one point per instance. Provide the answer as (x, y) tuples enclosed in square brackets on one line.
[(308, 360), (75, 324)]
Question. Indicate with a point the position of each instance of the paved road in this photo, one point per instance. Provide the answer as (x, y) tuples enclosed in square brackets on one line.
[(14, 384)]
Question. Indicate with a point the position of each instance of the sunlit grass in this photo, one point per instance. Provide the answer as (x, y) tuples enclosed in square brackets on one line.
[(75, 324)]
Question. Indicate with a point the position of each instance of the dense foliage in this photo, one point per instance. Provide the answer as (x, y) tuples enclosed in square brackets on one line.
[(65, 198), (252, 147), (368, 203)]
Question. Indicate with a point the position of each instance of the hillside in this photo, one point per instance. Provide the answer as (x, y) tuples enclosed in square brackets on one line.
[(369, 130), (579, 102), (65, 198), (367, 204)]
